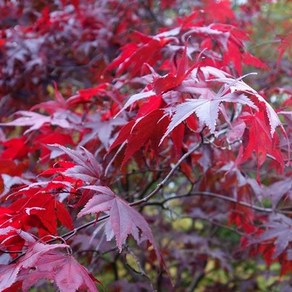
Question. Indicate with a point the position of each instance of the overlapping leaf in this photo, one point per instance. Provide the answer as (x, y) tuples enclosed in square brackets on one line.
[(40, 262), (259, 140), (35, 121), (87, 168), (279, 231), (206, 108), (43, 208), (124, 220), (136, 134)]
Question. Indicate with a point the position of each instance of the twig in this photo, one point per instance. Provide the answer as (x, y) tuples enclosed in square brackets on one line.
[(71, 233), (221, 197), (163, 182)]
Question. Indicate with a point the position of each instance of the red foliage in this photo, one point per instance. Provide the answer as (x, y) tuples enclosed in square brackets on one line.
[(151, 119)]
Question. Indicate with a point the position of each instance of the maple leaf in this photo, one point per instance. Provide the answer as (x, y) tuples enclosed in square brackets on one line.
[(206, 108), (276, 191), (219, 11), (63, 119), (43, 206), (124, 220), (249, 59), (73, 276), (85, 95), (173, 79), (41, 261), (136, 97), (64, 270), (278, 229), (284, 46), (134, 56), (87, 168), (101, 129), (258, 139), (8, 275), (238, 85), (15, 148), (175, 94), (9, 181), (162, 84), (137, 133), (32, 119)]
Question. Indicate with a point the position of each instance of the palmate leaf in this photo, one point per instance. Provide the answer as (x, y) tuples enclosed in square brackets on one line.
[(8, 275), (278, 190), (64, 270), (259, 140), (137, 97), (34, 120), (87, 167), (42, 206), (206, 109), (278, 229), (162, 84), (61, 118), (238, 85), (42, 261), (101, 129), (124, 220), (133, 56), (138, 133)]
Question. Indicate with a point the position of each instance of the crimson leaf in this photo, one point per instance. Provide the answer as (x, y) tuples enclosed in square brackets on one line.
[(279, 230), (124, 220), (87, 167), (41, 261)]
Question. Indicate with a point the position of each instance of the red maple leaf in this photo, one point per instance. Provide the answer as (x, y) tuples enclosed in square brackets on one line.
[(257, 138), (137, 133), (206, 107), (40, 262), (124, 220), (285, 46), (39, 209), (86, 166), (134, 56), (219, 11)]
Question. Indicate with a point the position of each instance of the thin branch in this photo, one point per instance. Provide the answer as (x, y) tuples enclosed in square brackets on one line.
[(221, 197), (215, 223), (71, 233), (163, 182), (194, 284)]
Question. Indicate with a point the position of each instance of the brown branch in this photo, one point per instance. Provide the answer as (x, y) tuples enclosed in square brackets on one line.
[(71, 233), (221, 197), (163, 182)]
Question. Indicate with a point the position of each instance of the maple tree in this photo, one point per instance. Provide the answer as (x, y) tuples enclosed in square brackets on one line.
[(139, 150)]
